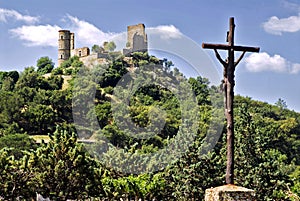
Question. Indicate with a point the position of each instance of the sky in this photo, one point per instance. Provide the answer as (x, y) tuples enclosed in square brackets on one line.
[(29, 30)]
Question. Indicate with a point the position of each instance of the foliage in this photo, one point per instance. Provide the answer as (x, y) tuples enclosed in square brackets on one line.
[(17, 143), (267, 140), (16, 177), (106, 47), (109, 46), (8, 80), (63, 169), (70, 66), (97, 49), (45, 65)]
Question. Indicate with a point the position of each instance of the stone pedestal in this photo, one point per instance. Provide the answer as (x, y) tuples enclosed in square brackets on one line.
[(229, 193)]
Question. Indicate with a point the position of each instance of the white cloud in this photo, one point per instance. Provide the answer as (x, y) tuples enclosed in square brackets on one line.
[(5, 14), (41, 35), (277, 26), (89, 34), (258, 62), (86, 34), (295, 68), (165, 31)]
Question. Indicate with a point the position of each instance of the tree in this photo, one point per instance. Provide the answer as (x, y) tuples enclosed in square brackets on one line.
[(281, 104), (17, 143), (201, 89), (16, 178), (261, 165), (14, 75), (109, 46), (103, 112), (45, 65), (31, 78), (11, 105), (64, 170), (40, 119), (167, 64), (97, 49), (8, 80)]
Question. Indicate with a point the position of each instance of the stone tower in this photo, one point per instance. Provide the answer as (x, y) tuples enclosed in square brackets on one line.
[(65, 45), (136, 39)]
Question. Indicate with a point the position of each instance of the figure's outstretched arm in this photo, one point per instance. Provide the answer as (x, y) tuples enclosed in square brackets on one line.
[(220, 59), (239, 59)]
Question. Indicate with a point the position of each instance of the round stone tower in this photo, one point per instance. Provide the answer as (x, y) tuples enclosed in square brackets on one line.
[(64, 45)]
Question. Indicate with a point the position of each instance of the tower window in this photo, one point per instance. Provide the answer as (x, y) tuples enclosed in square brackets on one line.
[(62, 37), (79, 53), (61, 56)]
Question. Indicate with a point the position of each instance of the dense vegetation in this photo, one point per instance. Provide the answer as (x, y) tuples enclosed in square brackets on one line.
[(40, 102)]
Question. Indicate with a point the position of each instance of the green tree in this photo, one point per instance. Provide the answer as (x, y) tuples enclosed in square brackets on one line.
[(45, 65), (16, 178), (17, 143), (103, 112), (260, 165), (64, 170), (30, 78), (40, 119), (167, 64), (281, 104), (11, 105), (97, 49), (109, 46), (8, 80), (201, 89)]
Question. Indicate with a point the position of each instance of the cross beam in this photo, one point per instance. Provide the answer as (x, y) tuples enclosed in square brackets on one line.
[(228, 85), (227, 47)]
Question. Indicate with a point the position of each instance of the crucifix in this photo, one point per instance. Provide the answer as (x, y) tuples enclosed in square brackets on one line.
[(229, 66)]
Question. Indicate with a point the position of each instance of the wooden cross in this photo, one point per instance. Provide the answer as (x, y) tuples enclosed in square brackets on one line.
[(228, 84)]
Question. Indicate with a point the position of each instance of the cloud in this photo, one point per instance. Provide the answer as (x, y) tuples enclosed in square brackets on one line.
[(259, 62), (41, 35), (86, 34), (165, 31), (6, 14), (277, 26), (295, 68), (290, 5)]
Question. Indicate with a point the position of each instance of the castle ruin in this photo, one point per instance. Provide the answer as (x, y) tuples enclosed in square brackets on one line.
[(136, 39), (136, 42)]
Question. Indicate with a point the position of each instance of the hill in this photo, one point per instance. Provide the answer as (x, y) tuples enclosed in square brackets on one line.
[(153, 134)]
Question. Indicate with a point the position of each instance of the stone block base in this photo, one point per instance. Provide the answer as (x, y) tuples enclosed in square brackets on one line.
[(229, 193)]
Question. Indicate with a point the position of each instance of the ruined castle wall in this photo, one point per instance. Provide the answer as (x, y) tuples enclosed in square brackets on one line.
[(94, 59), (137, 38), (81, 52)]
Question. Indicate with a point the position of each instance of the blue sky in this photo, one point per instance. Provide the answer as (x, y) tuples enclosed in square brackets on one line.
[(28, 31)]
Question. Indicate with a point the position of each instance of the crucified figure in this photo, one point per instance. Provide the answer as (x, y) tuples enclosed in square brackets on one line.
[(225, 66)]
